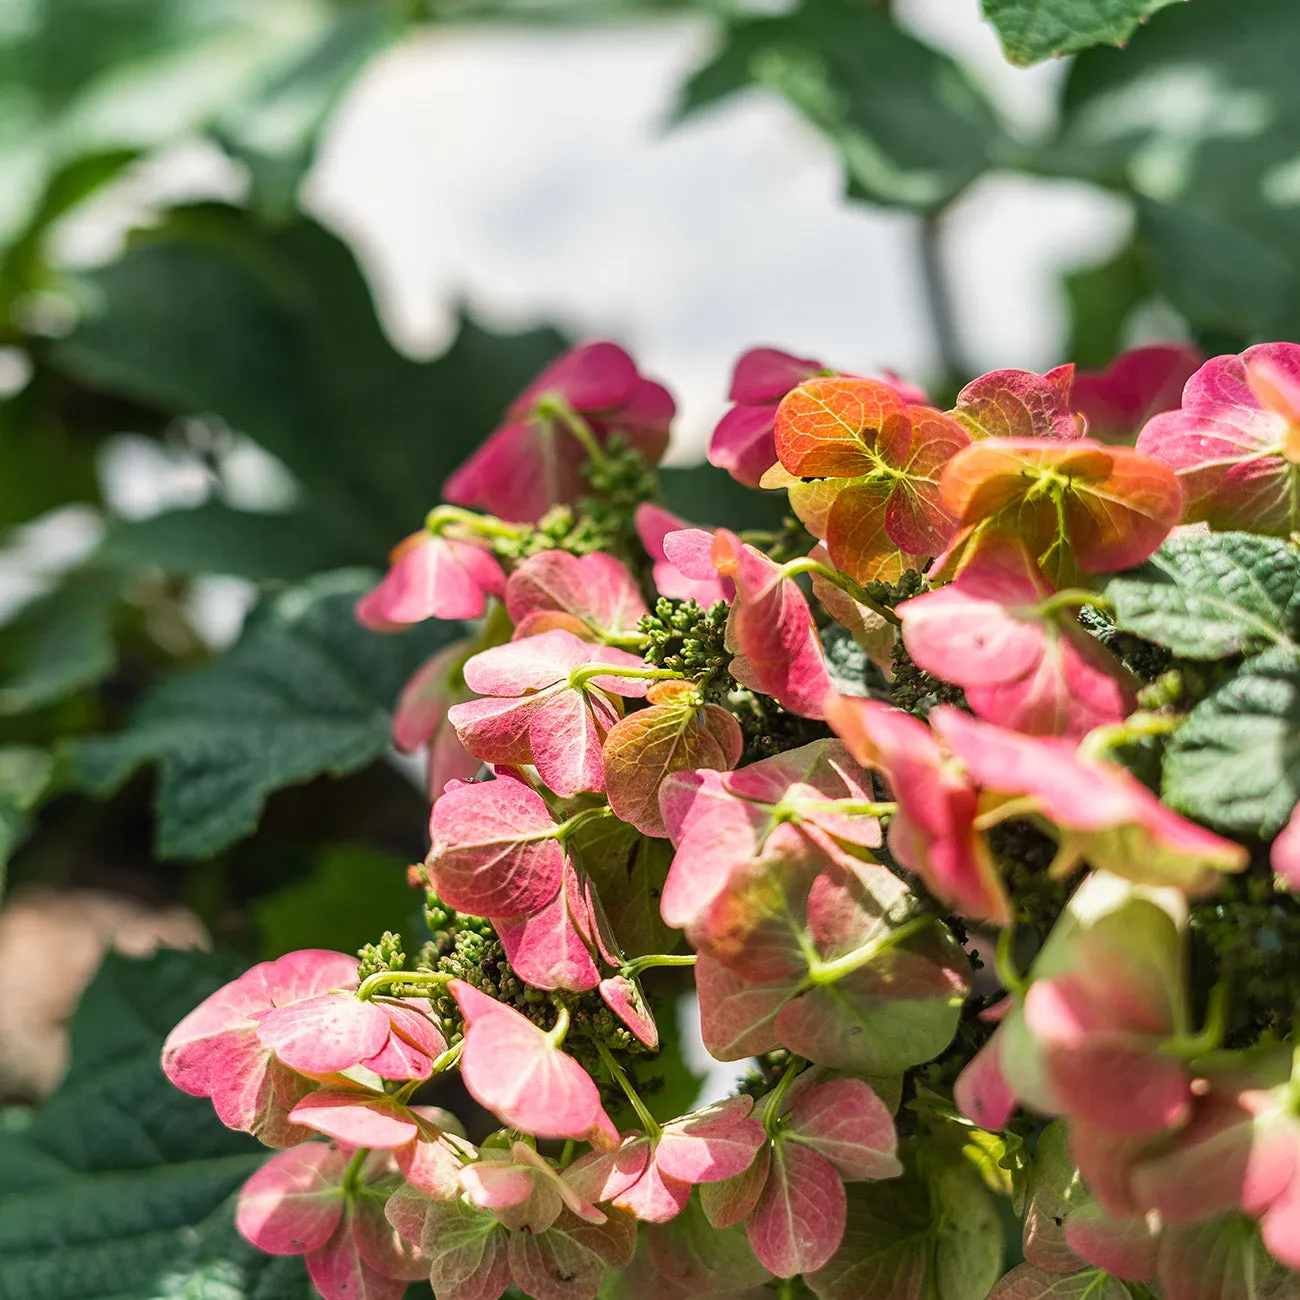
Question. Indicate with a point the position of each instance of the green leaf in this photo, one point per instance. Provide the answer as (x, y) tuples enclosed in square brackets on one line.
[(1198, 120), (910, 128), (305, 691), (966, 1255), (354, 894), (213, 538), (121, 1188), (628, 870), (938, 1237), (1213, 595), (1029, 1283), (25, 773), (274, 331), (1101, 299), (61, 642), (1221, 1260), (1033, 30), (708, 496), (1235, 762)]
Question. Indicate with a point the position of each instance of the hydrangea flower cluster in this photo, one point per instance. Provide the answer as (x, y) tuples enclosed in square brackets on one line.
[(935, 896)]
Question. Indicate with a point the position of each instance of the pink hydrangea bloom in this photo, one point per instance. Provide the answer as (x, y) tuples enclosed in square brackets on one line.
[(743, 443), (933, 833), (1021, 663), (421, 717), (698, 580), (593, 596), (1103, 813), (533, 714), (1138, 384), (296, 1204), (1235, 441), (514, 1069), (532, 461), (770, 629), (432, 577), (217, 1050)]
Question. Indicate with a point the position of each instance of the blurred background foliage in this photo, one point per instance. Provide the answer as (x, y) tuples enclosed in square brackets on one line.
[(244, 333)]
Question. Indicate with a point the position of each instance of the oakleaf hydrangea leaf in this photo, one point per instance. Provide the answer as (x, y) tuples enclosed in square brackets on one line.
[(305, 691), (1212, 596), (1033, 30)]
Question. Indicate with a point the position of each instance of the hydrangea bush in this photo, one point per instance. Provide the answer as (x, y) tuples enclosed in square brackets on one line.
[(963, 805)]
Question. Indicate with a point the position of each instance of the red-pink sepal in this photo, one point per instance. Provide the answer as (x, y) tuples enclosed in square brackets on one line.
[(1137, 385), (294, 1202), (551, 947), (743, 442), (1285, 853), (593, 596), (770, 629), (532, 462), (432, 577), (1108, 816), (624, 998), (845, 1121), (1235, 442), (799, 1220), (1019, 404), (511, 1067), (215, 1051), (1020, 664), (982, 1092), (933, 833), (421, 717), (654, 526)]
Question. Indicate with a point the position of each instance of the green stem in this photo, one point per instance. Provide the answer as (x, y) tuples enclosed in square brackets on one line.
[(1073, 598), (554, 407), (846, 584), (831, 972), (579, 677), (1019, 807), (775, 1099), (440, 518), (380, 980), (1005, 963), (845, 807), (1210, 1038), (634, 967), (1101, 740), (560, 1029), (352, 1174), (568, 828), (648, 1121)]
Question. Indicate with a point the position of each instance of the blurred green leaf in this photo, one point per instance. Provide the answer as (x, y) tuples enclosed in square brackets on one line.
[(708, 496), (60, 642), (25, 773), (910, 127), (275, 333), (1198, 118), (1033, 30), (1235, 762), (305, 691), (122, 1186), (213, 538), (1101, 301), (355, 893)]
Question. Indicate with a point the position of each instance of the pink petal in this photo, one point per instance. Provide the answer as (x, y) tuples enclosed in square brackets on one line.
[(294, 1202), (565, 735), (982, 1093), (846, 1122), (432, 577), (496, 1184), (590, 377), (737, 1016), (412, 1044), (708, 1145), (625, 999), (531, 664), (430, 1166), (340, 1271), (1137, 385), (426, 697), (767, 374), (604, 1175), (771, 627), (744, 443), (356, 1119), (1285, 853), (325, 1034), (493, 851), (597, 589), (510, 1067), (1125, 1248), (547, 948), (1019, 404), (799, 1220), (655, 1197)]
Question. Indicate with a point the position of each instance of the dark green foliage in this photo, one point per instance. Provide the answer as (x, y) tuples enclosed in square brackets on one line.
[(122, 1186)]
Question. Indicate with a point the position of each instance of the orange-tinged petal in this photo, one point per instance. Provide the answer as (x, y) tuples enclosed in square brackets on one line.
[(857, 537), (840, 427)]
